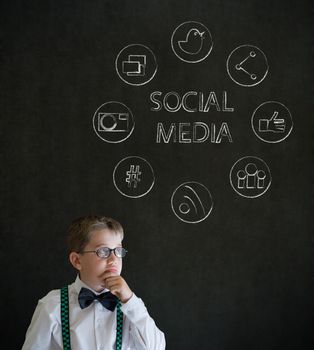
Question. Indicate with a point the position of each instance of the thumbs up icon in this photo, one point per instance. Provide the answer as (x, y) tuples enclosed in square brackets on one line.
[(274, 124)]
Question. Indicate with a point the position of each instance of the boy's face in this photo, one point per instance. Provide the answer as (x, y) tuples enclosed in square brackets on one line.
[(92, 267)]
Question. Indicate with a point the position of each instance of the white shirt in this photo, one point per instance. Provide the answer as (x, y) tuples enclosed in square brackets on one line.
[(92, 328)]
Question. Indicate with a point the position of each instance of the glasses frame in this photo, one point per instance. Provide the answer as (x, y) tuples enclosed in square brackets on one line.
[(96, 251)]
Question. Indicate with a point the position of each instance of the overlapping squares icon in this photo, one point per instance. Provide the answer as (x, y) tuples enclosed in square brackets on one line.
[(134, 66)]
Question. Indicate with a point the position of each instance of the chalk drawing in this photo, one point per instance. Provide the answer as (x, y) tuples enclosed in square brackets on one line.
[(113, 122), (250, 177), (198, 101), (191, 202), (133, 177), (247, 65), (196, 132), (191, 42), (272, 122), (136, 64)]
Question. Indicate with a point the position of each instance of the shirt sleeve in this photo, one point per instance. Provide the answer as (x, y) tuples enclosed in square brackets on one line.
[(42, 326), (143, 329)]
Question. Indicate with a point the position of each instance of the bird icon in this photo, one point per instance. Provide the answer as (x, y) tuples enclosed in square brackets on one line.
[(193, 42)]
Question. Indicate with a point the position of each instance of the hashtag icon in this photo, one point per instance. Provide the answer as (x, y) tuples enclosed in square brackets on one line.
[(133, 176)]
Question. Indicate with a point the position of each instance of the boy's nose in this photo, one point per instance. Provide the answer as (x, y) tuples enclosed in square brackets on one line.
[(112, 257)]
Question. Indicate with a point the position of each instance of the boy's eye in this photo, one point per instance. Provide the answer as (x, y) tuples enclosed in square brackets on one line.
[(104, 252)]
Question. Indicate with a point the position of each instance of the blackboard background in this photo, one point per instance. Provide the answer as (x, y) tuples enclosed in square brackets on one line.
[(238, 280)]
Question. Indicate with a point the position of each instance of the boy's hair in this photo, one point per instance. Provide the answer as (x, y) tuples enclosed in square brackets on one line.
[(80, 230)]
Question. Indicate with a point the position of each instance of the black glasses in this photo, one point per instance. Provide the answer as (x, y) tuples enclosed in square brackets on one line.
[(104, 252)]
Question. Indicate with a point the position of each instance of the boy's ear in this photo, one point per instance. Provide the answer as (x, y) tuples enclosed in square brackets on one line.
[(75, 260)]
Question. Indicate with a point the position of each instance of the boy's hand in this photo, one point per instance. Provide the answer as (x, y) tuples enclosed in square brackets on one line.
[(117, 286)]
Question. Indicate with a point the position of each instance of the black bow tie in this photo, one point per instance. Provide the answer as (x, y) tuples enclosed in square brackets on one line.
[(107, 299)]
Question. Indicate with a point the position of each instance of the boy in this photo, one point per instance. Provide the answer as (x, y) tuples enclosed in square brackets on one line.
[(101, 310)]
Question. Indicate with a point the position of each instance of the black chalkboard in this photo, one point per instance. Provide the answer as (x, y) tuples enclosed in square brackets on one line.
[(187, 121)]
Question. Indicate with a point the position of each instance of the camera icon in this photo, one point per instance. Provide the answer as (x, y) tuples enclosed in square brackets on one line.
[(113, 122), (113, 127)]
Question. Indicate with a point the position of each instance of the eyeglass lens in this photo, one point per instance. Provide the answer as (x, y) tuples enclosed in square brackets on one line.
[(104, 252)]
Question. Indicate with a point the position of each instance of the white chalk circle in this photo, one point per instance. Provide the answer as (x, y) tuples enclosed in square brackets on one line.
[(113, 122), (250, 177), (133, 177), (136, 64), (247, 65), (191, 202), (191, 42), (272, 122)]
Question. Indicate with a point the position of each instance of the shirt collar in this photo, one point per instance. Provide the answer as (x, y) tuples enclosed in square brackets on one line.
[(79, 284)]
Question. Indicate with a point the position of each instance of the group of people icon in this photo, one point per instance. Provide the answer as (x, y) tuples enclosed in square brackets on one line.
[(251, 177)]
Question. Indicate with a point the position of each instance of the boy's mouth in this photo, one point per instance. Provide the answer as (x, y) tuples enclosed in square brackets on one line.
[(112, 269)]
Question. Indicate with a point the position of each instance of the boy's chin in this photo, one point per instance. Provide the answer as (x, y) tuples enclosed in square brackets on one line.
[(100, 286), (114, 272)]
